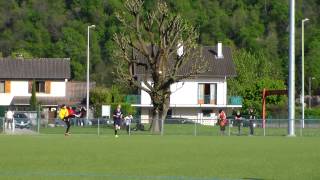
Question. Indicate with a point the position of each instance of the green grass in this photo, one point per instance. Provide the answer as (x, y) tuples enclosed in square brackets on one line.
[(155, 157)]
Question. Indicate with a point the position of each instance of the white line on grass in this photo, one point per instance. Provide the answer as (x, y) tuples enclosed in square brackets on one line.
[(65, 174)]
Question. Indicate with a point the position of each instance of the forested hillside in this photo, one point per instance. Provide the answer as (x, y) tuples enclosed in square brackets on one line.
[(57, 28)]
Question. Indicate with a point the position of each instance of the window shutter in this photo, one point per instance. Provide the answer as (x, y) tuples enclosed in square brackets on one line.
[(201, 94), (47, 87), (213, 93), (30, 87), (7, 86)]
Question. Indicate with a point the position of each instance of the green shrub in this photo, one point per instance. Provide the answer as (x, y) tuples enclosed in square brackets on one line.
[(126, 108), (313, 113)]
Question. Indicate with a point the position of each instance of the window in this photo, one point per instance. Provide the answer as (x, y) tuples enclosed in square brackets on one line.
[(2, 87), (169, 113), (207, 93), (207, 112), (40, 87)]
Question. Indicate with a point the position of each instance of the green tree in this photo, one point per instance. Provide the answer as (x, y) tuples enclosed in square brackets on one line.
[(109, 96), (33, 100), (99, 96), (58, 28), (156, 35), (254, 73), (21, 53), (313, 60)]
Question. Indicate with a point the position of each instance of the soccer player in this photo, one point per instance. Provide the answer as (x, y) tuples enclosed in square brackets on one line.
[(64, 116), (222, 121), (238, 120), (117, 116), (251, 120), (127, 121), (71, 115)]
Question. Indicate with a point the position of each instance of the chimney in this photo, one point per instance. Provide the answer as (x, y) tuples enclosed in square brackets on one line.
[(219, 50), (180, 50)]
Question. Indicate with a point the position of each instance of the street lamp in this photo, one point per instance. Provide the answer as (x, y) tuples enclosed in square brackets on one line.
[(88, 83), (310, 81), (302, 69)]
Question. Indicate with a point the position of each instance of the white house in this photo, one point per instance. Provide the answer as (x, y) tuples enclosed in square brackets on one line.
[(49, 75), (202, 96)]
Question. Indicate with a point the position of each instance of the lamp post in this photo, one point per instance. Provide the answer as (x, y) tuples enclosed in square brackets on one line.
[(291, 83), (310, 81), (88, 79), (302, 69)]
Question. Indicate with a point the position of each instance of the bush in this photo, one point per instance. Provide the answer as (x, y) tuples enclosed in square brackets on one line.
[(113, 96), (313, 113), (126, 108)]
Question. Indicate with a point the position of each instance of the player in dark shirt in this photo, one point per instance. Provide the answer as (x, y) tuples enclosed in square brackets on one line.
[(251, 120), (117, 117), (238, 121)]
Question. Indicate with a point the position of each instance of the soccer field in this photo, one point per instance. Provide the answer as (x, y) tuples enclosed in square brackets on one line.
[(159, 158)]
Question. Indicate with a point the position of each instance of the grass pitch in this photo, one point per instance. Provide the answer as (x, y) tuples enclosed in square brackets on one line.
[(155, 157)]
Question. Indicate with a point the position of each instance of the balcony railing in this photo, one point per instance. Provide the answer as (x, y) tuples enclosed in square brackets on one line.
[(208, 100), (232, 100), (133, 99)]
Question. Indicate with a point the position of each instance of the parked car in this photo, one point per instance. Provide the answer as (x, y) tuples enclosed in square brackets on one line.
[(21, 120)]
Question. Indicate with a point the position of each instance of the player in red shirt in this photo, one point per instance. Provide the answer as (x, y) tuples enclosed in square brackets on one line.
[(222, 121)]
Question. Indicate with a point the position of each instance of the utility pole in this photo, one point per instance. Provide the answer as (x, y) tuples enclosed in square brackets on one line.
[(302, 69), (88, 67), (291, 91)]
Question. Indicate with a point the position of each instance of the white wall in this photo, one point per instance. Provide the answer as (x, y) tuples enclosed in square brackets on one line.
[(20, 88), (17, 88), (186, 92), (5, 99), (190, 113), (144, 115), (57, 89), (222, 92), (145, 98)]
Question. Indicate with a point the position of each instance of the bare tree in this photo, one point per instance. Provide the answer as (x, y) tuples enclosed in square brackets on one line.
[(163, 45)]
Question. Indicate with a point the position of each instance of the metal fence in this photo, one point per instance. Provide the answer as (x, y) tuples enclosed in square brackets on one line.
[(1, 124), (172, 126), (24, 122)]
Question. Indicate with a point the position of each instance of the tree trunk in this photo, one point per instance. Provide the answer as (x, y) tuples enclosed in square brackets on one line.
[(160, 108)]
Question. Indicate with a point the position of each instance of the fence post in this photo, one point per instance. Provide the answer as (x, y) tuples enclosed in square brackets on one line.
[(162, 126), (229, 133), (3, 125), (130, 127), (38, 119), (301, 126), (98, 126), (195, 127), (264, 128)]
